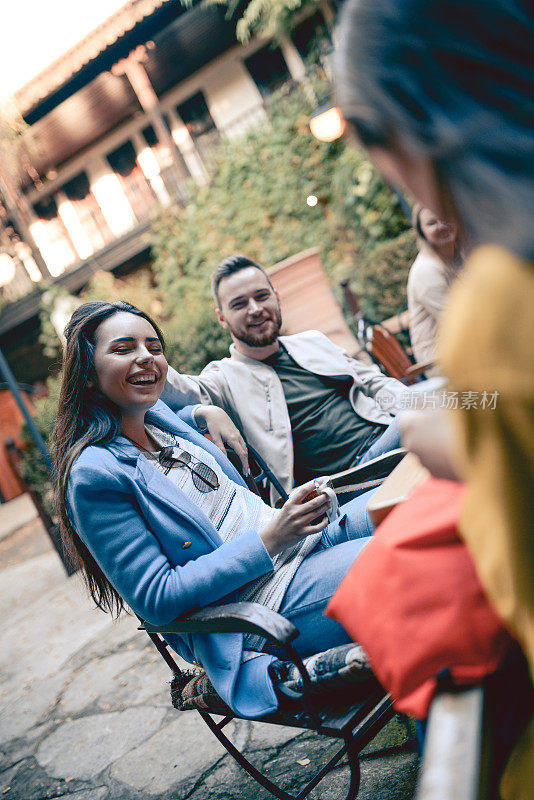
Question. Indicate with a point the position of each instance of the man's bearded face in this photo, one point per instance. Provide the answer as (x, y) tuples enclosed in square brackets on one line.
[(250, 307)]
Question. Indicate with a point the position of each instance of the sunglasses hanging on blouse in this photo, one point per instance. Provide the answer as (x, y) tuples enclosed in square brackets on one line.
[(204, 477)]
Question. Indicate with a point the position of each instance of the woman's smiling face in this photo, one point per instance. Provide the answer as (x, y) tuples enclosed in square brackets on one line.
[(129, 362), (435, 230)]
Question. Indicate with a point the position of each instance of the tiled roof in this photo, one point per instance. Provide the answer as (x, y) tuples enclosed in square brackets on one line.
[(106, 34)]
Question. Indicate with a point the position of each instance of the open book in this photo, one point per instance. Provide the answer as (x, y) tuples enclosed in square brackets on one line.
[(368, 475)]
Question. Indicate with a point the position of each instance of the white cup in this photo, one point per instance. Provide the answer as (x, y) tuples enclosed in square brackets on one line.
[(321, 484)]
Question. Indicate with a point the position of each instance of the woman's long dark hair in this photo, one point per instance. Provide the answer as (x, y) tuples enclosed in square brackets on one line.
[(85, 417)]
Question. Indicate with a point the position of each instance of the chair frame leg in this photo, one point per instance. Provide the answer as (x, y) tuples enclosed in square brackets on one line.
[(349, 747)]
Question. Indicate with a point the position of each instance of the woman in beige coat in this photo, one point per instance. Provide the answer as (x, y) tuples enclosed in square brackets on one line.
[(431, 275)]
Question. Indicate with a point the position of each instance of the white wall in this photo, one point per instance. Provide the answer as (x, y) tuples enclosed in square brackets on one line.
[(230, 92)]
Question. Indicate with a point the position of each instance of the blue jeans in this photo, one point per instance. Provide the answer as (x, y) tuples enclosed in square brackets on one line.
[(318, 577), (389, 440)]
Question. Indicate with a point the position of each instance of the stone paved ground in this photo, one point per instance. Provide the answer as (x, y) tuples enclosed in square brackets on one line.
[(85, 710)]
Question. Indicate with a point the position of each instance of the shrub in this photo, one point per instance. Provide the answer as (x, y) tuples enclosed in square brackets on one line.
[(256, 204), (32, 466), (384, 274)]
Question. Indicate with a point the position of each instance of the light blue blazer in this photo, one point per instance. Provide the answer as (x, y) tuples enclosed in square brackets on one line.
[(164, 556)]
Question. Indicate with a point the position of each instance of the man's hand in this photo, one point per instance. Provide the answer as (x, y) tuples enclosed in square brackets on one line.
[(223, 432), (294, 520), (428, 433)]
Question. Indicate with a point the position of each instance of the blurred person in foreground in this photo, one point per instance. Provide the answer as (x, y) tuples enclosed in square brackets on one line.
[(442, 96), (431, 275)]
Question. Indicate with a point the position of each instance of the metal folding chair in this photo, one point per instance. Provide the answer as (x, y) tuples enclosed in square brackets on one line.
[(352, 713)]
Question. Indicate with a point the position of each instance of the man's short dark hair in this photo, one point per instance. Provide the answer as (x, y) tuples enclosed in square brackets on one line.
[(227, 267)]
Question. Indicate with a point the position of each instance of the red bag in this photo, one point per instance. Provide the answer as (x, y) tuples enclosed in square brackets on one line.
[(413, 600)]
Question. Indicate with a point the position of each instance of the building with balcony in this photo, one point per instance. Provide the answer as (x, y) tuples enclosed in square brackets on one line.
[(119, 124)]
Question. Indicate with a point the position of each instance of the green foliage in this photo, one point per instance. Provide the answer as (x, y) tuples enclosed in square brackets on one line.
[(48, 337), (32, 465), (362, 201), (267, 18), (384, 275), (256, 204), (137, 289)]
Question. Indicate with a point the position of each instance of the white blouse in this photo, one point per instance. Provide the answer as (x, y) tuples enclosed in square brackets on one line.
[(234, 509)]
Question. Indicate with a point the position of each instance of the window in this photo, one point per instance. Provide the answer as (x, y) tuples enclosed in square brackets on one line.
[(268, 69), (195, 115), (149, 134), (51, 236), (172, 180), (311, 37), (123, 161), (93, 222), (46, 208)]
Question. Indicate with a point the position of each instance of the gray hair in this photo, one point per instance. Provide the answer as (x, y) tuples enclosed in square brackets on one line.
[(454, 81)]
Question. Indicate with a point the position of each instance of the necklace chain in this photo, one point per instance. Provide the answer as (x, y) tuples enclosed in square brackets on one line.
[(140, 446)]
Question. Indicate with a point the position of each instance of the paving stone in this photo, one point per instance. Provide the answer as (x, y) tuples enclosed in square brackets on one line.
[(389, 777), (300, 759), (52, 633), (34, 735), (386, 778), (229, 782), (28, 542), (13, 753), (95, 679), (25, 709), (50, 628), (116, 634), (6, 780), (106, 737), (147, 682), (30, 782), (16, 514), (90, 794), (177, 753), (263, 736), (36, 575)]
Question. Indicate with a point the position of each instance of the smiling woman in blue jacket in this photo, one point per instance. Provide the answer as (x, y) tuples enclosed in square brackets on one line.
[(159, 520)]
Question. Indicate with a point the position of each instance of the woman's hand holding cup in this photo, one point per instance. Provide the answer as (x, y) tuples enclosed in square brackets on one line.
[(304, 512)]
